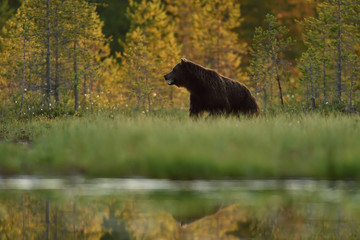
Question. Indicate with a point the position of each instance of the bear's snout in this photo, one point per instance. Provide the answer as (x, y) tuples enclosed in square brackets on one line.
[(169, 78)]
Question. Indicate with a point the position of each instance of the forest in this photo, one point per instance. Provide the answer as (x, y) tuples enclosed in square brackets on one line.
[(71, 57)]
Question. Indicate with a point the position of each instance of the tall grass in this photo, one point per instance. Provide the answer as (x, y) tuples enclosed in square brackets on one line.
[(176, 147)]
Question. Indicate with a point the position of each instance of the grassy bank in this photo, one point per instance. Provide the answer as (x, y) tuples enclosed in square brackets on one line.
[(173, 146)]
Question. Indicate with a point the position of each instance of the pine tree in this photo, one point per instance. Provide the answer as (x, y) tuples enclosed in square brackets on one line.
[(353, 66), (333, 35), (349, 51), (310, 66), (184, 13), (56, 44), (5, 13), (16, 65), (150, 50), (135, 69), (218, 40), (268, 47), (316, 36), (207, 31), (259, 69)]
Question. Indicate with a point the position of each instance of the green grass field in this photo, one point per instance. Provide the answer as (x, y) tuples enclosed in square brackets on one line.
[(173, 146)]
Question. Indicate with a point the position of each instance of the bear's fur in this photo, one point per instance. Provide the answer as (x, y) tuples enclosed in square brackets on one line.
[(212, 92)]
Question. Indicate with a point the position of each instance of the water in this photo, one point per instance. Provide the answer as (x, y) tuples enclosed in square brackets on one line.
[(76, 208)]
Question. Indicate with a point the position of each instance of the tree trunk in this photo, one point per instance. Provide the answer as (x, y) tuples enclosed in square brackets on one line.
[(280, 89), (85, 88), (307, 93), (339, 62), (271, 89), (57, 84), (74, 219), (23, 74), (85, 81), (76, 93), (56, 224), (312, 84), (324, 70), (3, 108), (48, 64), (90, 93), (147, 90), (23, 215), (352, 85), (276, 64), (148, 93), (47, 220), (264, 89)]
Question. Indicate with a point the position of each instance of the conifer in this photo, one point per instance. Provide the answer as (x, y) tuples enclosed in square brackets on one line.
[(57, 45), (150, 50), (267, 51)]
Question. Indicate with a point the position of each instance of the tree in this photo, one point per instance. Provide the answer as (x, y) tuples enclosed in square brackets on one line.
[(207, 31), (218, 39), (310, 65), (116, 23), (333, 36), (317, 37), (348, 40), (136, 69), (268, 53), (259, 72), (5, 12), (314, 63), (18, 45), (354, 74), (150, 50), (56, 44), (114, 225), (183, 13)]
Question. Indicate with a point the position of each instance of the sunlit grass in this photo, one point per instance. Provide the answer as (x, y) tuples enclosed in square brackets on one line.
[(176, 147)]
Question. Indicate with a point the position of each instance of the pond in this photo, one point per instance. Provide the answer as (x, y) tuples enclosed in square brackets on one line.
[(77, 208)]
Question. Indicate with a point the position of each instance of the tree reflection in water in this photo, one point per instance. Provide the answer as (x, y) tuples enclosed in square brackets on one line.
[(229, 211)]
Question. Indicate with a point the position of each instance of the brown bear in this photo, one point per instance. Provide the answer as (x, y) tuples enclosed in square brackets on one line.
[(212, 92)]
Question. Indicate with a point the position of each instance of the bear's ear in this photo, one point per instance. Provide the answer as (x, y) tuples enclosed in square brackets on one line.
[(183, 60)]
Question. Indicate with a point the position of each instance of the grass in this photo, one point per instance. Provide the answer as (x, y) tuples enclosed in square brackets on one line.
[(176, 147)]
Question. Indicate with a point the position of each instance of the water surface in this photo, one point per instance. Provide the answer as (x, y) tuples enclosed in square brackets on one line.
[(76, 208)]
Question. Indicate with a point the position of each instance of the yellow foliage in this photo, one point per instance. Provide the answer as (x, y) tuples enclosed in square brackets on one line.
[(216, 226), (150, 50), (149, 224)]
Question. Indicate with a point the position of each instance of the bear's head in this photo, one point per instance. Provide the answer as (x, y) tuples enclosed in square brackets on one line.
[(177, 75)]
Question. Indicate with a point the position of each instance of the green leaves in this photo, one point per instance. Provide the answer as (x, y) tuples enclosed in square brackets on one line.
[(331, 38), (268, 61)]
